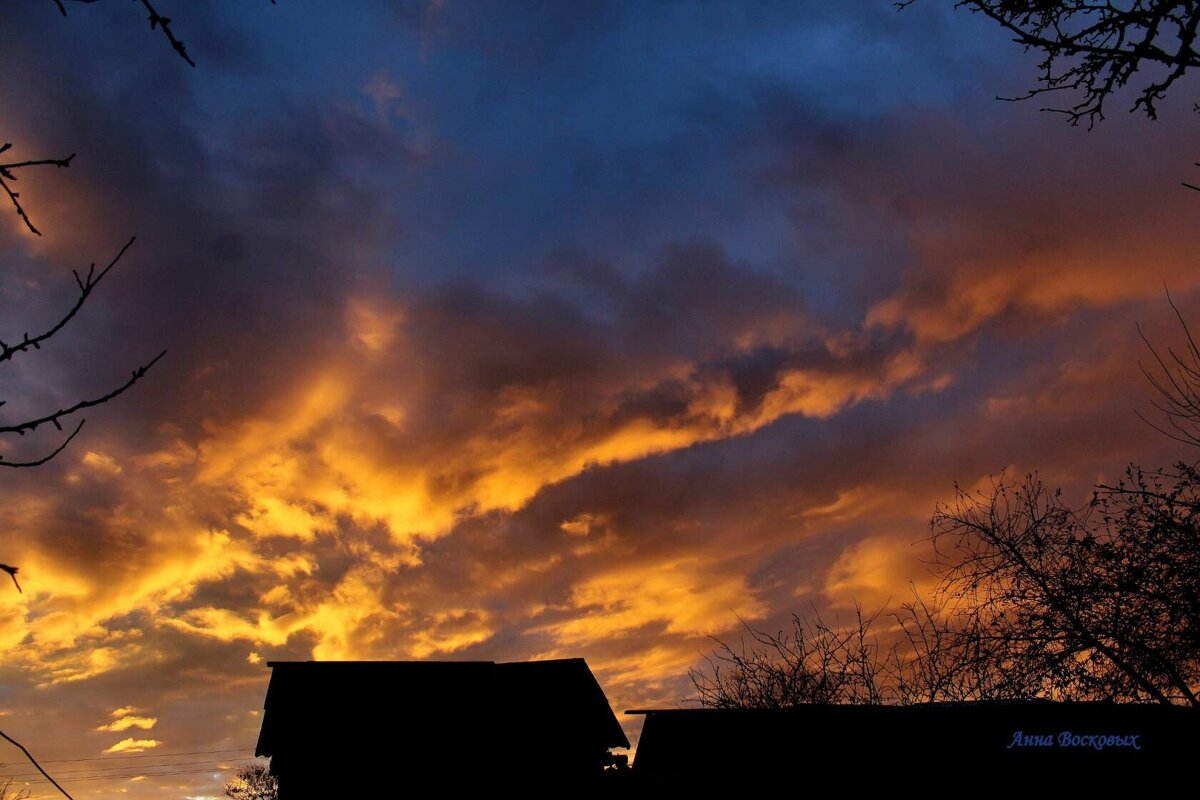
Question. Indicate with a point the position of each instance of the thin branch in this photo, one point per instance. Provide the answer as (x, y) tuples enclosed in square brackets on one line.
[(44, 459), (1177, 382), (86, 285), (164, 24), (1095, 49), (7, 176), (157, 21), (30, 425), (12, 571)]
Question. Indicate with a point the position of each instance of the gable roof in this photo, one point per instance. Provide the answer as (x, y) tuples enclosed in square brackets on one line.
[(546, 704)]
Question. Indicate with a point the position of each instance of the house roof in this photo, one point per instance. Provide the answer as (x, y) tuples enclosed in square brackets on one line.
[(682, 745), (469, 703)]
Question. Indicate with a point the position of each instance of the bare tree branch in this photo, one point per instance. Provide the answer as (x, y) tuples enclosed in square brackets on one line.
[(814, 662), (12, 571), (1177, 382), (86, 285), (164, 24), (38, 462), (1095, 48), (21, 428), (7, 177), (252, 781), (1036, 599), (157, 22)]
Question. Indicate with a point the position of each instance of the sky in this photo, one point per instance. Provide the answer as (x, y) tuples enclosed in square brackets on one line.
[(510, 331)]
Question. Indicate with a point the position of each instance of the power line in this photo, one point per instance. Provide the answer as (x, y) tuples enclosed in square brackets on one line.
[(18, 775), (146, 755), (133, 775)]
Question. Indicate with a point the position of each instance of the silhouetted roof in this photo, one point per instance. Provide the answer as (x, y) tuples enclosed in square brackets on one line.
[(691, 747), (419, 704)]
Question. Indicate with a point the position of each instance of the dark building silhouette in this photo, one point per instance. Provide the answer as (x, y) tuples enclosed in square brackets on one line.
[(381, 728), (940, 750)]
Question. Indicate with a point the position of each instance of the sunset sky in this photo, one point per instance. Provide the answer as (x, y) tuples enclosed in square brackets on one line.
[(512, 331)]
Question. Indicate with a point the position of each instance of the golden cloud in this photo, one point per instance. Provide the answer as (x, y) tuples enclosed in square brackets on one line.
[(132, 745), (124, 723)]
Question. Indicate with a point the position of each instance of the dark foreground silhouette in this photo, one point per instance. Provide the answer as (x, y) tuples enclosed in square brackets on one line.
[(937, 749), (385, 728), (545, 729)]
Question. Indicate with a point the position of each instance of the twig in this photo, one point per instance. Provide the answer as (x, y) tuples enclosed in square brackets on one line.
[(85, 289), (163, 23), (31, 425), (157, 21), (44, 459), (7, 175), (12, 571)]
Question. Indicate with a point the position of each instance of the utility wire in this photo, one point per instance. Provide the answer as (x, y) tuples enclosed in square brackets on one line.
[(132, 775), (147, 755), (23, 775)]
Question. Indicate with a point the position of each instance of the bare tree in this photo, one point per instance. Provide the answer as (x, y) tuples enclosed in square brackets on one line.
[(1036, 599), (7, 792), (252, 781), (1094, 48), (1081, 603), (943, 653), (931, 651), (1175, 375), (814, 662)]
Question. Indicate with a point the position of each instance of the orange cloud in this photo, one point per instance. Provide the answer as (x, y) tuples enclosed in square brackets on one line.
[(124, 723), (878, 571), (132, 746), (683, 596)]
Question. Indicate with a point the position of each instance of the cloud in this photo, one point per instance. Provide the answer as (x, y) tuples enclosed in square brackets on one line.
[(132, 746), (873, 573), (124, 723)]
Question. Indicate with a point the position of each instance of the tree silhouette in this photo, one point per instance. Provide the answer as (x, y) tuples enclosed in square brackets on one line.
[(1175, 375), (1036, 600), (7, 792), (814, 662), (1094, 48), (1095, 603), (252, 781)]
